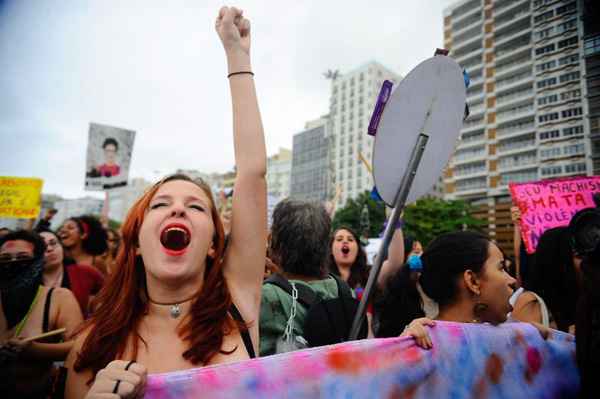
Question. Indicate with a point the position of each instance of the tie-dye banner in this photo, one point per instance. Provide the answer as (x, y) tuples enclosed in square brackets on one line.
[(467, 361)]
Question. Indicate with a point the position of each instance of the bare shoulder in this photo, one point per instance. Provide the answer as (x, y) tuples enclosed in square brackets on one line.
[(525, 299), (63, 293), (66, 300)]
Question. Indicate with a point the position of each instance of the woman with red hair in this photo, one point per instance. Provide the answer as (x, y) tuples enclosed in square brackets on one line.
[(177, 298)]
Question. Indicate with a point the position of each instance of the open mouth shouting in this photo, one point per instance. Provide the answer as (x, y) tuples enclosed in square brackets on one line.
[(175, 238), (345, 250)]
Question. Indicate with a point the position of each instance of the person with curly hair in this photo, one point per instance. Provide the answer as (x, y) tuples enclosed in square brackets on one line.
[(85, 241)]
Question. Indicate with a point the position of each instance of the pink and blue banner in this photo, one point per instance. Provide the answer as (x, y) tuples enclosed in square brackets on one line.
[(467, 361)]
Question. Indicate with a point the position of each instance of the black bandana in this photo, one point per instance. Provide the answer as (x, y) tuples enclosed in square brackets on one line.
[(19, 282)]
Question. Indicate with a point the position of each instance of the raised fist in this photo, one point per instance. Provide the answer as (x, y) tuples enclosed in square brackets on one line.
[(234, 30)]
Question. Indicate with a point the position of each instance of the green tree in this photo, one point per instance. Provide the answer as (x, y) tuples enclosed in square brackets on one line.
[(113, 224), (350, 215), (430, 217)]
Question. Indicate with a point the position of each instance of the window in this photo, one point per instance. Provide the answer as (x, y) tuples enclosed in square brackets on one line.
[(566, 8), (569, 76), (567, 95), (518, 177), (574, 149), (543, 33), (550, 153), (545, 66), (551, 134), (569, 113), (551, 170), (570, 24), (548, 117), (546, 49), (548, 99), (543, 17), (569, 59), (575, 168), (592, 45), (546, 82), (573, 130), (567, 42)]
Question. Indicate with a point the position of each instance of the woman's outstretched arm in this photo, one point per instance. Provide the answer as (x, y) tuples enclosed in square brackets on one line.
[(245, 257)]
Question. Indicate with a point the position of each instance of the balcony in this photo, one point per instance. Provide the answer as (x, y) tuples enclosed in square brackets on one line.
[(459, 49), (467, 21), (476, 108), (530, 174), (512, 30), (519, 94), (466, 48), (472, 63), (512, 14), (501, 6), (465, 8), (514, 80), (471, 124), (517, 65), (513, 46), (514, 112), (517, 161), (461, 160), (513, 129), (468, 35), (470, 169), (471, 186), (471, 54)]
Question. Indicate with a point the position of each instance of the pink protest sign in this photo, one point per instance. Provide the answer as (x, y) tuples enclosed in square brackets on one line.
[(551, 203)]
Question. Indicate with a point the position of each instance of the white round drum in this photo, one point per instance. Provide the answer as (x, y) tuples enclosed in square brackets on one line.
[(429, 100)]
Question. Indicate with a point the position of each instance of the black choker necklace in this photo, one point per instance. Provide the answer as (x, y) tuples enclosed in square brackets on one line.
[(175, 309)]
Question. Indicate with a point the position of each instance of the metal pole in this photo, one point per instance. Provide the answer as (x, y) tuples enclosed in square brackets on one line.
[(399, 202)]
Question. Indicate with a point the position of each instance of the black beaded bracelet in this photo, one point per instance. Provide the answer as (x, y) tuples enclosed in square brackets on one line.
[(240, 73)]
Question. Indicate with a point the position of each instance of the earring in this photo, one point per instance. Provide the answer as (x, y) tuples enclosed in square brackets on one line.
[(478, 310)]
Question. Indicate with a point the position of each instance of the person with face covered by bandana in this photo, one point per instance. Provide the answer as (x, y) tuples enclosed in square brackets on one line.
[(28, 309)]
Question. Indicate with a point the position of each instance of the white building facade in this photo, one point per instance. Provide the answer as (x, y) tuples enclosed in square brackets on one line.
[(353, 97), (279, 171), (69, 208)]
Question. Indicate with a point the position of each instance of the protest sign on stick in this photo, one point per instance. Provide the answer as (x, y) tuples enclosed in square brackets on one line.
[(551, 203), (20, 197), (108, 157)]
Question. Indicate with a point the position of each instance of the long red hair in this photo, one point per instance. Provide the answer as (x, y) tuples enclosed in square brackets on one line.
[(123, 302)]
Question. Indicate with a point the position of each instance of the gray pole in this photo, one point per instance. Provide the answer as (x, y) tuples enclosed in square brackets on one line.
[(399, 202)]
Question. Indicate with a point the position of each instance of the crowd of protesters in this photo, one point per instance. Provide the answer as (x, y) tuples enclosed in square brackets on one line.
[(177, 288)]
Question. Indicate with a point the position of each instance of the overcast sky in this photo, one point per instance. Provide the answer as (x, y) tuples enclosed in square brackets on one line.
[(157, 67)]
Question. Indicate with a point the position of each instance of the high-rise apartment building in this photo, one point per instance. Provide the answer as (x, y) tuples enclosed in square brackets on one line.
[(309, 162), (353, 96), (525, 61), (279, 171), (591, 55)]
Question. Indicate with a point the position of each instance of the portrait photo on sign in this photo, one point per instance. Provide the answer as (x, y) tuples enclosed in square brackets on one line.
[(108, 157)]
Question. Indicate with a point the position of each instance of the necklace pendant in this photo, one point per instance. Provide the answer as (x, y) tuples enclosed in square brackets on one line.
[(175, 311)]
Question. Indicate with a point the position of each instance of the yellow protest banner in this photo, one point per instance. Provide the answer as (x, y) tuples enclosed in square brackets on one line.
[(20, 197)]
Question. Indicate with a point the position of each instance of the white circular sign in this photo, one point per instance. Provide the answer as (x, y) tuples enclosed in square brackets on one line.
[(429, 100)]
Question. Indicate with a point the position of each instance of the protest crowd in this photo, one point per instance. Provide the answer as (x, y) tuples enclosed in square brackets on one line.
[(88, 311)]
